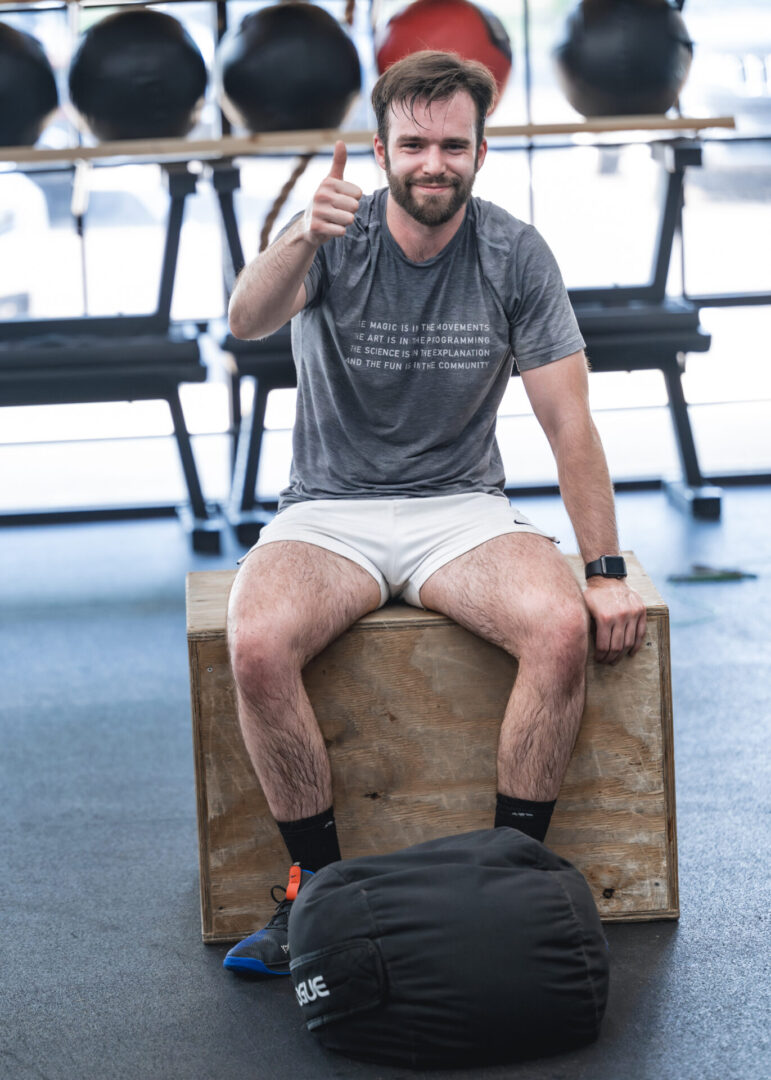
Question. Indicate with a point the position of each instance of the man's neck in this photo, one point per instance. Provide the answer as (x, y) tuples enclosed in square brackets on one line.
[(420, 242)]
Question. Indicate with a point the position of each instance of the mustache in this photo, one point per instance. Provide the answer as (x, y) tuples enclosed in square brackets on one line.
[(448, 181)]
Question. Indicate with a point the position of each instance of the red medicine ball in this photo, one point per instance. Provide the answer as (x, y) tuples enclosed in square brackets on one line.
[(449, 26)]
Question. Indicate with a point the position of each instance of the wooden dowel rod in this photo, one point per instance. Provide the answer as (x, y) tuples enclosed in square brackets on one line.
[(54, 4), (617, 123), (303, 142)]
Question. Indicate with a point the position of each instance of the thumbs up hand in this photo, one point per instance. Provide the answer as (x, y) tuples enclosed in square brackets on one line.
[(333, 206)]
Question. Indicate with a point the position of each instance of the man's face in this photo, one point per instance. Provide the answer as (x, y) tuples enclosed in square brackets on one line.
[(431, 159)]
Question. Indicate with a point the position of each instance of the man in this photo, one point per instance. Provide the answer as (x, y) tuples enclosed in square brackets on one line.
[(409, 307)]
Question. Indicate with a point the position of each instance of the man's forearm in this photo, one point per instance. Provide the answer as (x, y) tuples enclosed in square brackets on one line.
[(586, 488), (560, 396), (266, 290)]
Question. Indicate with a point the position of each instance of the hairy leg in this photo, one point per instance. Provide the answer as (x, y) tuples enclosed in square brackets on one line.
[(288, 602), (518, 592)]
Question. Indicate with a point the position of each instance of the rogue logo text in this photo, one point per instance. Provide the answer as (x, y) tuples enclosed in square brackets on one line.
[(310, 990)]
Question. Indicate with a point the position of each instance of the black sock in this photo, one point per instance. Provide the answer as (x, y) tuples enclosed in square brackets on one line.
[(311, 841), (531, 818)]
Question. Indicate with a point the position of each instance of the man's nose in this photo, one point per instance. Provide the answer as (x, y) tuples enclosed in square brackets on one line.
[(433, 161)]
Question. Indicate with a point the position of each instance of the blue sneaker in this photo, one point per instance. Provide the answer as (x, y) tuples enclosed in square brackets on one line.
[(267, 951)]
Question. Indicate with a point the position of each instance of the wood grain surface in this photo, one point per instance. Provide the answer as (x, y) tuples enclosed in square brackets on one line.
[(313, 141), (410, 705)]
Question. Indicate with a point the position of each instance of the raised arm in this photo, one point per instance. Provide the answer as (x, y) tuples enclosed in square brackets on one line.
[(270, 290), (559, 394)]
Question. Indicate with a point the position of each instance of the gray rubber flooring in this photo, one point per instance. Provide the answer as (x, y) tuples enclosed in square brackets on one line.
[(103, 973)]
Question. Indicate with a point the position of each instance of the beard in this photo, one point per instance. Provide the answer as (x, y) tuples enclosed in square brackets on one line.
[(433, 209)]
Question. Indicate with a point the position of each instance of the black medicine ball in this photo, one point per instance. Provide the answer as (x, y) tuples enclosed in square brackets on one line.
[(138, 74), (28, 92), (290, 67), (623, 57), (471, 949)]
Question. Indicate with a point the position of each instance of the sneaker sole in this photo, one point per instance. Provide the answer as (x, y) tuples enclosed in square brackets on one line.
[(245, 963)]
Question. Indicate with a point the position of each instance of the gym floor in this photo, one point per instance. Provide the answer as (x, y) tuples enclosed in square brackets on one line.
[(104, 976)]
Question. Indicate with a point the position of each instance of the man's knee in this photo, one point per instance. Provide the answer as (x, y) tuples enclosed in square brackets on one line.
[(265, 637), (262, 658), (289, 600), (263, 628), (557, 636)]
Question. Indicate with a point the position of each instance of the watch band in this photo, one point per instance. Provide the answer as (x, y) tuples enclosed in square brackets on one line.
[(611, 566)]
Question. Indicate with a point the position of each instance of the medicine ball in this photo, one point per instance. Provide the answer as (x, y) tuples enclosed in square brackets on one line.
[(449, 26), (467, 950), (27, 88), (289, 67), (138, 74), (623, 57)]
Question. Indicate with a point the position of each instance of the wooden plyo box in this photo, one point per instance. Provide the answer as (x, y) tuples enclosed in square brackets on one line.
[(410, 706)]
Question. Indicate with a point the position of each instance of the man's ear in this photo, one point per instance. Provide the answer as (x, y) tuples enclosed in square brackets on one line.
[(379, 147), (481, 153)]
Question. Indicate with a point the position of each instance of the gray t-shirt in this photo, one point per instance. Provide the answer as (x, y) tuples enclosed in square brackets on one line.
[(401, 366)]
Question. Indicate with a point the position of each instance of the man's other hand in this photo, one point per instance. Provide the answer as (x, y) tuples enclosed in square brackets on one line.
[(619, 616)]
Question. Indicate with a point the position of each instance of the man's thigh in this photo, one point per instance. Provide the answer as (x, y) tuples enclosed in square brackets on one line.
[(301, 595), (508, 590)]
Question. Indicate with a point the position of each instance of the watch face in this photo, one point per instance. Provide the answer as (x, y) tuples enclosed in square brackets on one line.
[(614, 566)]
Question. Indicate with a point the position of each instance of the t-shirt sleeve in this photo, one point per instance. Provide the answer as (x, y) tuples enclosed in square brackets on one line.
[(543, 325), (315, 280)]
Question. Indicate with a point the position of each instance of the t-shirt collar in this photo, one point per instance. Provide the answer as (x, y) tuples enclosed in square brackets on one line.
[(380, 209)]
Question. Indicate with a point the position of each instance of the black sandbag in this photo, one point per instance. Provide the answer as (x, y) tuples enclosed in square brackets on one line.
[(472, 949)]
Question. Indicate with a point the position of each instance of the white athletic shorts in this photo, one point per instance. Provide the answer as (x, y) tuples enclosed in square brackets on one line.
[(400, 542)]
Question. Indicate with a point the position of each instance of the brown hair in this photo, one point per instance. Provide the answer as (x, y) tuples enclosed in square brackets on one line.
[(429, 76)]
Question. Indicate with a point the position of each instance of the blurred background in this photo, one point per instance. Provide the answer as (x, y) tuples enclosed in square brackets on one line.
[(596, 199)]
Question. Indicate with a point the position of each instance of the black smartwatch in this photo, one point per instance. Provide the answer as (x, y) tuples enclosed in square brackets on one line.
[(606, 566)]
